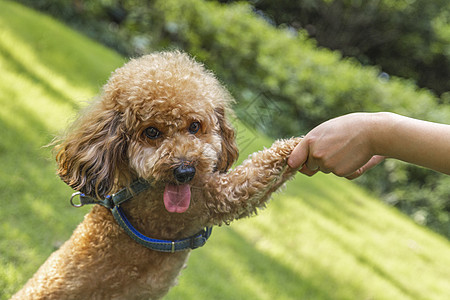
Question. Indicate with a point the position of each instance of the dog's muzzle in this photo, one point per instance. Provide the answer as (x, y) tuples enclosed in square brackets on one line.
[(184, 173)]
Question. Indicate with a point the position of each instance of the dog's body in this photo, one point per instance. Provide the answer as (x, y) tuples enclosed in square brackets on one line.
[(161, 118)]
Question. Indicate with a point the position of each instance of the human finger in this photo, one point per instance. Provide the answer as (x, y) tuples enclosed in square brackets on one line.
[(311, 164), (375, 160), (305, 170), (298, 155)]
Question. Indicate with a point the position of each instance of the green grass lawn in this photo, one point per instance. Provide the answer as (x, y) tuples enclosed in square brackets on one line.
[(321, 238)]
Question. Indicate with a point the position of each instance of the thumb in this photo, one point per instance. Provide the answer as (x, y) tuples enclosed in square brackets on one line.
[(299, 155)]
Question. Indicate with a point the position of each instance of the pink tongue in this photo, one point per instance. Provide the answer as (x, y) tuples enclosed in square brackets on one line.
[(177, 197)]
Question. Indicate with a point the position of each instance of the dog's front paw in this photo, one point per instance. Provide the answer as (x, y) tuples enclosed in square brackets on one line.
[(286, 146), (281, 149)]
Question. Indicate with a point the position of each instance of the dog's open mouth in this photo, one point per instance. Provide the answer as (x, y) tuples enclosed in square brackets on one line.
[(177, 197)]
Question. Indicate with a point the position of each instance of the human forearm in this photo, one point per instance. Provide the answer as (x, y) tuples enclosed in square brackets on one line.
[(351, 144), (419, 142)]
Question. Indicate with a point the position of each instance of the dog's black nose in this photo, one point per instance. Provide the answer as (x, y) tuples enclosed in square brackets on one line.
[(184, 173)]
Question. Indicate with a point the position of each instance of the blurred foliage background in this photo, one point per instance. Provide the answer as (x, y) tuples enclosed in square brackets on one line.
[(307, 61)]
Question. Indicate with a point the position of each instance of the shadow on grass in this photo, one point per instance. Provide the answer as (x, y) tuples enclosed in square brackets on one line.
[(236, 269), (82, 61), (349, 206), (35, 214), (384, 237), (364, 260), (26, 71)]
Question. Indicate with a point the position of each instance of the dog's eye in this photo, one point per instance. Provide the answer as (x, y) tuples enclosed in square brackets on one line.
[(152, 133), (194, 127)]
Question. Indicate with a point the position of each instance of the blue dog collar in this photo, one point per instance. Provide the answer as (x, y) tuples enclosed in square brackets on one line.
[(113, 203)]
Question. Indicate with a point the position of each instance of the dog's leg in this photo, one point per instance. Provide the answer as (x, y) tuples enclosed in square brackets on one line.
[(241, 191)]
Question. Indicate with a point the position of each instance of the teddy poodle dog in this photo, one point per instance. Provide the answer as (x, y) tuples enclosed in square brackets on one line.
[(153, 154)]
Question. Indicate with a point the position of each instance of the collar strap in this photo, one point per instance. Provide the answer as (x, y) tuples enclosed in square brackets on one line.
[(193, 242), (116, 199), (113, 203)]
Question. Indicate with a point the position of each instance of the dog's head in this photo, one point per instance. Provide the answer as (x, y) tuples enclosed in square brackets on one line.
[(161, 117)]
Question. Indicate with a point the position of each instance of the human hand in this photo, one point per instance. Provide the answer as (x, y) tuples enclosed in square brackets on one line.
[(341, 146)]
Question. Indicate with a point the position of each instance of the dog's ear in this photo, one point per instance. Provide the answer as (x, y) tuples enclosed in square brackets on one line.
[(230, 150), (91, 156)]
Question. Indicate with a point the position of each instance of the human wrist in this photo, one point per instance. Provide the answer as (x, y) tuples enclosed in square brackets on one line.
[(381, 133)]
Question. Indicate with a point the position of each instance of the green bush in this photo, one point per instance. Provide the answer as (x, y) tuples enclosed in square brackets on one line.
[(311, 84), (410, 39)]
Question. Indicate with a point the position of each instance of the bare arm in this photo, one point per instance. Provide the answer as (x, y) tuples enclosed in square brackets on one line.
[(350, 145), (241, 191)]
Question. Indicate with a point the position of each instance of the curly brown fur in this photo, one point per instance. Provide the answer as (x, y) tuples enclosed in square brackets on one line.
[(156, 113)]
